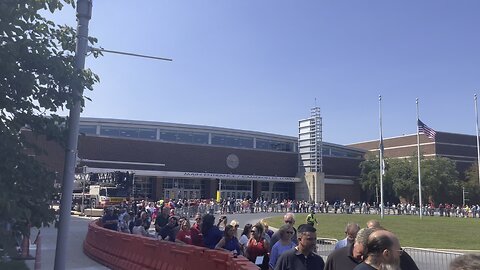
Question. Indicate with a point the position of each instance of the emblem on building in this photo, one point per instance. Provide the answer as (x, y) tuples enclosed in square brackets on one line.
[(232, 161)]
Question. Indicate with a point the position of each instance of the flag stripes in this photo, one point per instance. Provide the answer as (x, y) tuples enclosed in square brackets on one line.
[(422, 128)]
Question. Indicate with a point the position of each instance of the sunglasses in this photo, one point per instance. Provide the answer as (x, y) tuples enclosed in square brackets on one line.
[(289, 221), (289, 232)]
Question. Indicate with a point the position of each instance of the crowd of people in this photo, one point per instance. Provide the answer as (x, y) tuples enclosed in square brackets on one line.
[(290, 247), (231, 205)]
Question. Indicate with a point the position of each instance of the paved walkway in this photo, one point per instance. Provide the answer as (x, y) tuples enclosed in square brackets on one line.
[(77, 260)]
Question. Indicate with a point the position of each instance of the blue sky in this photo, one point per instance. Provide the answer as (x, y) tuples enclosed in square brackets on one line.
[(260, 65)]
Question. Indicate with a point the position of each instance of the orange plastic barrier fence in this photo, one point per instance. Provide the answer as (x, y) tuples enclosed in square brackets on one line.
[(126, 251)]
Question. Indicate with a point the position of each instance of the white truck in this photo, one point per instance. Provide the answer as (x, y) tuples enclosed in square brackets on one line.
[(99, 197)]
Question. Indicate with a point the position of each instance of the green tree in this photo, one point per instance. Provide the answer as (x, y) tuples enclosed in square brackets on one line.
[(403, 174), (370, 179), (36, 80), (471, 184), (440, 180)]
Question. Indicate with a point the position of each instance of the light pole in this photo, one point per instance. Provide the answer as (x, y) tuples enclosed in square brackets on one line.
[(84, 13)]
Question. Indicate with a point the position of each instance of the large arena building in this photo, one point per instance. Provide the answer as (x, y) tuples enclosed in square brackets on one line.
[(191, 161)]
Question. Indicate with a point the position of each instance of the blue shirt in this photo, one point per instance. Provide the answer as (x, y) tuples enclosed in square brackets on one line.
[(277, 250), (342, 243), (212, 237), (232, 245)]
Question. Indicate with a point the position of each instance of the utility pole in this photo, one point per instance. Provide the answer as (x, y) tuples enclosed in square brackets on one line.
[(84, 14)]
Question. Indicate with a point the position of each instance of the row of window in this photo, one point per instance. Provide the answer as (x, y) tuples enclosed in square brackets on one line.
[(277, 186), (329, 152), (187, 137)]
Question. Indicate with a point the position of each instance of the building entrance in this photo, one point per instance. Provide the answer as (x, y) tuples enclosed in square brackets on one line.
[(177, 188), (176, 193), (275, 195)]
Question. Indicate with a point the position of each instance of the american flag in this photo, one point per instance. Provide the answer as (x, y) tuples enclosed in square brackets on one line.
[(422, 128)]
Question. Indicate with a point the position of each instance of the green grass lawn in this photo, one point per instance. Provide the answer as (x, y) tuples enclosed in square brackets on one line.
[(430, 232)]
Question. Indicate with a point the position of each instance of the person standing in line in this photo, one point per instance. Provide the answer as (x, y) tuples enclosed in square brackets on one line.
[(257, 248), (347, 258), (351, 231), (288, 218), (383, 252), (211, 233), (466, 262), (302, 256), (235, 226), (196, 233), (229, 241), (406, 261), (285, 243), (244, 237), (184, 235)]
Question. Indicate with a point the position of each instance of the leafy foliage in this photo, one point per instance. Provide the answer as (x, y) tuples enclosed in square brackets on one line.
[(471, 184), (37, 76), (439, 179)]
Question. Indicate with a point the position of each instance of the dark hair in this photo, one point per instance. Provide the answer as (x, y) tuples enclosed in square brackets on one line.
[(227, 228), (247, 229), (306, 228), (207, 223), (260, 228)]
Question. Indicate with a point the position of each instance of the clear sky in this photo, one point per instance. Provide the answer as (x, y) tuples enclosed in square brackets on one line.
[(260, 65)]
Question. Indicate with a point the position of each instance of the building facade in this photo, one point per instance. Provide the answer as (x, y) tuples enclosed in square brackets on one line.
[(190, 161), (460, 148)]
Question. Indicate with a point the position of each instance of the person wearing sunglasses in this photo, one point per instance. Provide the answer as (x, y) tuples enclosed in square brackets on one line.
[(302, 257), (257, 248), (288, 218), (285, 243), (196, 233)]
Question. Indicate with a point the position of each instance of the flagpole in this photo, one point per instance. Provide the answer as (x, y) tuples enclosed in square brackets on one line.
[(419, 173), (382, 168), (478, 142)]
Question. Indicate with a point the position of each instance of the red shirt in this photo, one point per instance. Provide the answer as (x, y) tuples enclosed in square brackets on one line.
[(255, 249), (197, 236), (185, 237)]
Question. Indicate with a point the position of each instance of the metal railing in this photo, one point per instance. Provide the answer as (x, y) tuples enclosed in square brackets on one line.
[(325, 246), (431, 259), (426, 259)]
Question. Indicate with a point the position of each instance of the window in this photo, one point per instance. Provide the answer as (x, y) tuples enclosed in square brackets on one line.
[(265, 186), (186, 137), (87, 129), (275, 145), (282, 187), (219, 139), (128, 132)]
